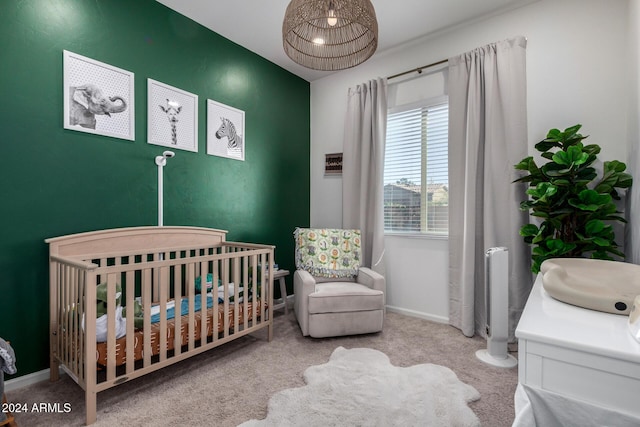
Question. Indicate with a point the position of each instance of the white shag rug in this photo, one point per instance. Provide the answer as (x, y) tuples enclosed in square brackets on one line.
[(360, 387)]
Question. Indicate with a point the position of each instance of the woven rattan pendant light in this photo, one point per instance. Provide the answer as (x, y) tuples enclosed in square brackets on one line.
[(330, 35)]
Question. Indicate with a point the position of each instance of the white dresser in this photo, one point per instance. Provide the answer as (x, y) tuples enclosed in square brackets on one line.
[(584, 356)]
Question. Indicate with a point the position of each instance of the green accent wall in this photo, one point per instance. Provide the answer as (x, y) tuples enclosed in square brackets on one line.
[(57, 181)]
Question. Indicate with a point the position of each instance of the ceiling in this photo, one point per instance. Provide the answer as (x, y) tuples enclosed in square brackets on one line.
[(257, 24)]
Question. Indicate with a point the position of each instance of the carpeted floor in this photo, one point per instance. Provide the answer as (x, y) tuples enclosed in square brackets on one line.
[(233, 383)]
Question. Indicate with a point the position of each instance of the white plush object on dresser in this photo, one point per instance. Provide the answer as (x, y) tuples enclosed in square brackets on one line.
[(152, 265)]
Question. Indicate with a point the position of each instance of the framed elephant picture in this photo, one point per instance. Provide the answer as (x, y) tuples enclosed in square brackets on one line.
[(98, 98)]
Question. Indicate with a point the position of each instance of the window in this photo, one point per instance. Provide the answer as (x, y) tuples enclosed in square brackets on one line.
[(416, 177)]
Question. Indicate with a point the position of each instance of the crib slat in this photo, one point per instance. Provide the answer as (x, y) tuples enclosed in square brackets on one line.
[(224, 276), (245, 280), (204, 269), (81, 305), (64, 340), (266, 294), (177, 296), (89, 310), (67, 319), (269, 301), (62, 348), (130, 306), (64, 351), (72, 274), (73, 318), (191, 277), (162, 281), (236, 292), (146, 304), (54, 319), (254, 279), (111, 326), (216, 305), (263, 287)]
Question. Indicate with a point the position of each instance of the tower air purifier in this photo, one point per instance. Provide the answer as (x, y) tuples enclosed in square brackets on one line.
[(496, 297)]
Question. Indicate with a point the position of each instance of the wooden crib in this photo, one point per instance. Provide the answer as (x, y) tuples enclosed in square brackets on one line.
[(154, 266)]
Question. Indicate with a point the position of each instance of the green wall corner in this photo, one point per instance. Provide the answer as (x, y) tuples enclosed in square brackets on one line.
[(57, 181)]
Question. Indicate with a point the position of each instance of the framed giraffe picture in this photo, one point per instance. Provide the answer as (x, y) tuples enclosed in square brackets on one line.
[(172, 117), (225, 131)]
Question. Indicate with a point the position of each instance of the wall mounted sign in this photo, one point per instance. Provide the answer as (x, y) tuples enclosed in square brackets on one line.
[(333, 164)]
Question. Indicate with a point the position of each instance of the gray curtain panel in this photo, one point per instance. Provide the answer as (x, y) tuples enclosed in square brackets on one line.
[(487, 137), (363, 168)]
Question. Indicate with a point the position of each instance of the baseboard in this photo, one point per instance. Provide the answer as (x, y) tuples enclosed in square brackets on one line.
[(25, 380), (399, 310), (419, 314)]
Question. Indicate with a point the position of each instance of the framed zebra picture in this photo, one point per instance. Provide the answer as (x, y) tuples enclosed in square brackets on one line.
[(225, 131), (172, 117)]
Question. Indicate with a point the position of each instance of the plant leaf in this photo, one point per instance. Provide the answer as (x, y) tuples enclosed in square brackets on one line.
[(590, 200), (592, 149), (547, 144), (614, 166), (540, 214), (603, 188), (615, 251), (570, 131), (601, 242), (561, 158), (615, 218), (524, 163), (529, 230), (573, 156), (526, 178), (624, 180), (594, 226)]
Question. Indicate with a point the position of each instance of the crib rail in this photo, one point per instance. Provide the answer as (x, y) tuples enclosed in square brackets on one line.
[(223, 289)]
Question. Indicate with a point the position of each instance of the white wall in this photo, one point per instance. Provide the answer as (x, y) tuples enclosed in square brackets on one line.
[(576, 71)]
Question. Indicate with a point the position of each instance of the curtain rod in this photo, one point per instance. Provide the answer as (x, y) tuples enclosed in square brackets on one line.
[(418, 70)]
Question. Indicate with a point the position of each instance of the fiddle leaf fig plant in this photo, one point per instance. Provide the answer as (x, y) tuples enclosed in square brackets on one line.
[(574, 208)]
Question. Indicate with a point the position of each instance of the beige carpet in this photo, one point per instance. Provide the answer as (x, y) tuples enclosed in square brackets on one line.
[(233, 383)]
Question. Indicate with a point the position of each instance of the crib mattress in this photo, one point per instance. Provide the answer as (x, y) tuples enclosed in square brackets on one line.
[(121, 343)]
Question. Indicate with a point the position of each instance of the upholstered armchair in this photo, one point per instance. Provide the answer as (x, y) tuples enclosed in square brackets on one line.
[(333, 294)]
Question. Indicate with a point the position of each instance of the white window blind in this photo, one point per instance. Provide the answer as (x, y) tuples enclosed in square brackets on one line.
[(416, 177)]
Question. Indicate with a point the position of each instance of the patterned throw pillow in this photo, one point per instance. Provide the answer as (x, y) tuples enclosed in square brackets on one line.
[(332, 253)]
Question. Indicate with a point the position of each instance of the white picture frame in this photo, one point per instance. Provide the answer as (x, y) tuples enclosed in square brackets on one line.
[(172, 117), (98, 98), (225, 131)]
